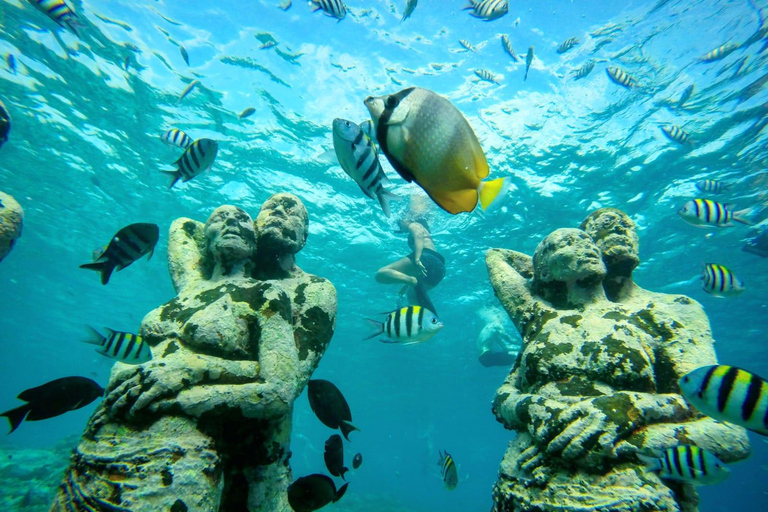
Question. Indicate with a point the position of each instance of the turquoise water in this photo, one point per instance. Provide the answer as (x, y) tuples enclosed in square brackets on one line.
[(84, 159)]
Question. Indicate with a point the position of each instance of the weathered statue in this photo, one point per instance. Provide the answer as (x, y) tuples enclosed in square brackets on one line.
[(11, 222), (596, 380), (205, 425)]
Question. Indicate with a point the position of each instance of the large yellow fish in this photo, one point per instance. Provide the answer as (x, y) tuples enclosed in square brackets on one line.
[(427, 140)]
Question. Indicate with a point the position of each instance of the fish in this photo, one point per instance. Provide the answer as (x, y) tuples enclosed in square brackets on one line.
[(584, 70), (313, 492), (712, 186), (52, 399), (720, 281), (5, 124), (128, 245), (758, 244), (428, 140), (358, 156), (188, 89), (466, 44), (357, 460), (730, 394), (448, 470), (720, 52), (333, 8), (686, 463), (507, 44), (620, 77), (267, 45), (410, 5), (408, 325), (486, 76), (248, 112), (676, 134), (687, 93), (60, 12), (706, 213), (285, 4), (528, 62), (567, 45), (195, 160), (125, 347), (334, 456), (10, 60), (127, 62), (369, 129), (184, 54), (488, 10), (97, 252), (330, 407), (176, 137)]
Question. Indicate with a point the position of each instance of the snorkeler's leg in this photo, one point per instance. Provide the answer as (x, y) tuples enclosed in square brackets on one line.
[(402, 271)]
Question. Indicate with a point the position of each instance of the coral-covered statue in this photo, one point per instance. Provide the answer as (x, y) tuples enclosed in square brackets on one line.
[(205, 425), (596, 381)]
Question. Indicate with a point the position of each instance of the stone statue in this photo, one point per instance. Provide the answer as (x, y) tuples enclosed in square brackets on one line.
[(596, 381), (11, 222), (205, 425)]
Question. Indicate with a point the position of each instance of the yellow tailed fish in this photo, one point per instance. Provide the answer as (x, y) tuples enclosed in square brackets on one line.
[(427, 140)]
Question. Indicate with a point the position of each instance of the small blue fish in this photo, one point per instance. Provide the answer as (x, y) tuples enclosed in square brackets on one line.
[(184, 54), (11, 61)]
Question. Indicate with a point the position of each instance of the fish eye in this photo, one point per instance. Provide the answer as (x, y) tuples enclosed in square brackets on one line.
[(434, 320), (391, 101), (686, 379)]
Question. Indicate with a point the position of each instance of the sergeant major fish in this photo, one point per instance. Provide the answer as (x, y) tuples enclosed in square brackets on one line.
[(128, 245), (528, 62), (720, 281), (408, 325), (488, 10), (448, 470), (567, 45), (507, 44), (410, 5), (60, 12), (333, 8), (686, 463), (712, 186), (584, 70), (676, 134), (620, 77), (176, 137), (706, 213), (122, 346), (359, 158), (466, 44), (720, 52), (486, 76), (197, 158)]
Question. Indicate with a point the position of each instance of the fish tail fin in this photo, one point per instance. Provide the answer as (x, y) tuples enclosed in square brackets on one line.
[(651, 463), (105, 267), (376, 325), (385, 196), (747, 215), (94, 337), (17, 415), (346, 428), (340, 492), (493, 190), (176, 175), (343, 470)]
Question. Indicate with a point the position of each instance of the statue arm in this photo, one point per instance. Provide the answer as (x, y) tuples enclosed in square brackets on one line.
[(509, 272)]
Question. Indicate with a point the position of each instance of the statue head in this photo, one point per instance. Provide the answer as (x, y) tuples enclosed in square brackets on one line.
[(568, 256), (282, 225), (616, 236), (230, 236)]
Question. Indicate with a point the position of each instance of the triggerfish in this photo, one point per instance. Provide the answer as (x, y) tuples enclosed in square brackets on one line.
[(428, 140), (686, 463)]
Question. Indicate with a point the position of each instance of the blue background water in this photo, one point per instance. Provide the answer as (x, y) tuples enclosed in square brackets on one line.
[(85, 155)]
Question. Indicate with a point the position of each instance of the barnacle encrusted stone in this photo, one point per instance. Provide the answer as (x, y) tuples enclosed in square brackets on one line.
[(11, 223)]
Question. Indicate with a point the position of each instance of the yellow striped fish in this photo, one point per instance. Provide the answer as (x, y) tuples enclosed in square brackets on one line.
[(486, 76), (583, 70), (712, 186), (727, 393), (60, 12), (507, 44), (488, 10), (567, 45), (448, 470), (676, 134), (122, 346), (720, 52), (333, 8), (705, 213), (620, 77), (466, 44), (408, 325), (720, 281), (687, 463)]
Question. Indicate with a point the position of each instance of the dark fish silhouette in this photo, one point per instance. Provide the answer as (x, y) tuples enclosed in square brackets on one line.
[(757, 245), (5, 124), (128, 245), (330, 407), (313, 492), (334, 456), (357, 460), (53, 399), (184, 54)]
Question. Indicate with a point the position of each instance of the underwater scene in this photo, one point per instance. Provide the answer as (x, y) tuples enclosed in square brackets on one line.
[(383, 255)]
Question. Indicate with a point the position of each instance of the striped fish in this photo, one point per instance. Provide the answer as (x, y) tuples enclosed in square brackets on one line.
[(486, 76), (720, 52), (333, 8), (507, 44), (620, 77), (583, 70), (408, 325), (686, 463), (188, 89), (705, 213), (369, 129), (60, 12), (528, 62), (246, 113), (720, 281), (466, 44), (197, 158), (359, 158), (128, 245), (676, 134), (410, 5), (176, 137), (488, 10), (727, 393), (567, 45), (712, 186), (448, 470), (123, 346), (687, 93)]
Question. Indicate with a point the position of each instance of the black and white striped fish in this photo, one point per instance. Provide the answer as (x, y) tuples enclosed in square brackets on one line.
[(687, 93), (676, 134), (369, 129), (584, 70), (176, 137), (720, 52), (507, 44), (567, 45), (620, 77), (712, 186), (686, 463), (333, 8), (410, 5), (359, 158), (448, 470), (466, 44), (128, 245), (408, 325), (488, 10), (727, 393), (486, 76), (60, 12), (720, 281), (197, 158), (122, 346), (708, 213)]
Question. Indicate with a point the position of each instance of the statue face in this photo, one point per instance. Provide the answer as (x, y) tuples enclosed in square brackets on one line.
[(230, 234), (283, 224), (568, 255), (615, 234)]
